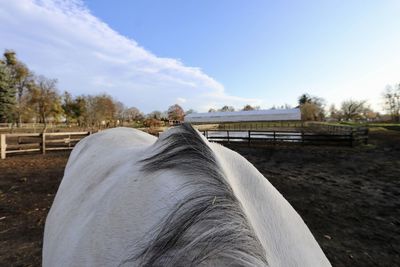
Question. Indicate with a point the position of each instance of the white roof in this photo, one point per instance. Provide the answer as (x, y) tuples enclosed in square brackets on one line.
[(242, 116)]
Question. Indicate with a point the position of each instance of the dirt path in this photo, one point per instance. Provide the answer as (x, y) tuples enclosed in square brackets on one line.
[(27, 187), (350, 198)]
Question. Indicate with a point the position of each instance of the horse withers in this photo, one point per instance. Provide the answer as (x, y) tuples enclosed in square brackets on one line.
[(130, 199)]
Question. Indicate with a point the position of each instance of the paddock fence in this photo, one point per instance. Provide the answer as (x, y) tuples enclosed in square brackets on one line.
[(259, 137), (37, 126), (42, 142), (38, 142)]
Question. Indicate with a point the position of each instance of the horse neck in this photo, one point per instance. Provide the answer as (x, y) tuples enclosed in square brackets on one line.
[(285, 237)]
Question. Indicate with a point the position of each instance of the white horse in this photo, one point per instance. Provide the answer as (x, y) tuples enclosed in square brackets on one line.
[(128, 199)]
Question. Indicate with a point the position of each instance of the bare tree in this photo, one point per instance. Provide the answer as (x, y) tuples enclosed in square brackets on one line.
[(68, 105), (391, 98), (249, 107), (133, 114), (99, 110), (155, 115), (334, 113), (44, 99), (311, 112), (104, 110), (119, 116), (353, 109), (176, 113), (227, 109), (311, 107)]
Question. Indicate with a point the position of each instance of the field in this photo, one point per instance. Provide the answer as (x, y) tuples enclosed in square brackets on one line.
[(349, 197)]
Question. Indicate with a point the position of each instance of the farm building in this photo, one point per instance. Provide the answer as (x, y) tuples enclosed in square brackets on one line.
[(245, 116)]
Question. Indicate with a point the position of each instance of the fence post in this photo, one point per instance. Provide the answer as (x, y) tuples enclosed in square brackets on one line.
[(227, 134), (352, 137), (43, 143), (3, 146), (249, 138)]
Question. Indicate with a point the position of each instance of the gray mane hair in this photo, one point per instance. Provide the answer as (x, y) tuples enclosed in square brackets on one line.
[(208, 226)]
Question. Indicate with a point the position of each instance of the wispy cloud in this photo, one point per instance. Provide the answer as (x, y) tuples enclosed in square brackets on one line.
[(62, 39)]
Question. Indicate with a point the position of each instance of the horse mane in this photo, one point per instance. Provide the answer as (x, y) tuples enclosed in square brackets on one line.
[(208, 226)]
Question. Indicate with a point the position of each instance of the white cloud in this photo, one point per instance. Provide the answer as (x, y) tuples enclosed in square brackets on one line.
[(181, 100), (62, 39)]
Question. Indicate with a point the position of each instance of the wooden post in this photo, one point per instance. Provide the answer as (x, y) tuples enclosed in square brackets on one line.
[(43, 147), (227, 134), (249, 138), (3, 146)]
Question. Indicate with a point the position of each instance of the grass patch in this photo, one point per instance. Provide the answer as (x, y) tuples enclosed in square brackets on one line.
[(377, 129)]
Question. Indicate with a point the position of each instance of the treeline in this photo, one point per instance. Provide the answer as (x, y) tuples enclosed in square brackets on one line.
[(26, 97), (314, 108)]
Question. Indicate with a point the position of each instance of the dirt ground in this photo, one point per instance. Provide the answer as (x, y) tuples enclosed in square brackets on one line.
[(349, 198), (27, 187)]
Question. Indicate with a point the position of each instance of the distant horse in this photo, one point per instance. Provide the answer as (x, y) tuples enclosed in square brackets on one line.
[(128, 199)]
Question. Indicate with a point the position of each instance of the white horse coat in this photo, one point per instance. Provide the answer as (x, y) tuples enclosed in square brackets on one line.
[(110, 206)]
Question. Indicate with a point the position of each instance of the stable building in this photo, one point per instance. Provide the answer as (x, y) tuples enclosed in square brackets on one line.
[(270, 115)]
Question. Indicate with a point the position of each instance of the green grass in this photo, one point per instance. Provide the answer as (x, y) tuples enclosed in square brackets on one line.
[(377, 129), (361, 124), (367, 124)]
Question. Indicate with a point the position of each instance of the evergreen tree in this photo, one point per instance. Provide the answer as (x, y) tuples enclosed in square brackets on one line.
[(20, 79), (7, 94), (312, 108)]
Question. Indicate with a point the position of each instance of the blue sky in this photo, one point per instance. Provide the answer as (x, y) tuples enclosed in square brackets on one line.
[(208, 53)]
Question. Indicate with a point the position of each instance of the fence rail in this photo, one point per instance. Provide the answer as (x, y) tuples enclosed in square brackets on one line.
[(33, 125), (352, 138), (34, 142)]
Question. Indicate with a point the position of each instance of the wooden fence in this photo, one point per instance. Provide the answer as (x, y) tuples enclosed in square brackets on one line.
[(35, 142), (352, 138), (32, 125)]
